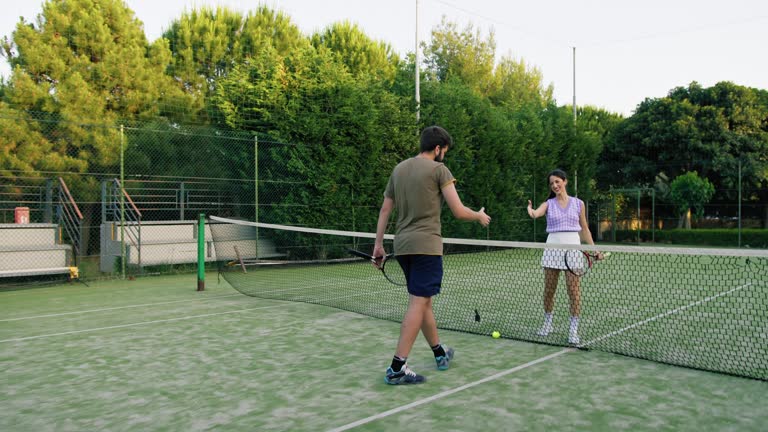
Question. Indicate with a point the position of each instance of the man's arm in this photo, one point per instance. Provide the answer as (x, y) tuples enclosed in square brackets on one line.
[(381, 226), (459, 210)]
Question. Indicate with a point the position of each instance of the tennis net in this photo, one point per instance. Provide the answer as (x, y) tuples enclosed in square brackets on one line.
[(694, 307)]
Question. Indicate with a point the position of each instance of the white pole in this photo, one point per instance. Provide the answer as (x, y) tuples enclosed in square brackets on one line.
[(574, 84), (576, 172), (418, 62)]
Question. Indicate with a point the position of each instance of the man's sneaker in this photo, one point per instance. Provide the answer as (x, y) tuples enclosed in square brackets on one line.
[(545, 330), (443, 362), (573, 338), (404, 376)]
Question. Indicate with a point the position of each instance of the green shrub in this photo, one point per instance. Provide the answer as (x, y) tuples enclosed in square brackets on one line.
[(754, 238)]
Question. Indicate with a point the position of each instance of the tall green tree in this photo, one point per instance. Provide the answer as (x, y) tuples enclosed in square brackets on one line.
[(353, 48), (205, 45), (690, 192), (267, 27), (24, 149), (594, 127), (516, 84), (345, 134), (79, 68), (708, 130), (461, 54), (468, 56), (208, 43)]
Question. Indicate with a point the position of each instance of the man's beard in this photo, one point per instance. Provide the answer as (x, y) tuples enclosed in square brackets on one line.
[(440, 157)]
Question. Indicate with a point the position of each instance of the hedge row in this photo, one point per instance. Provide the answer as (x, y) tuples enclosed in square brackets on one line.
[(754, 238)]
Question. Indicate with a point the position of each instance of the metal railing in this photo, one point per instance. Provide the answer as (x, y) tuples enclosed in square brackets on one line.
[(32, 192), (175, 200), (70, 219), (127, 216)]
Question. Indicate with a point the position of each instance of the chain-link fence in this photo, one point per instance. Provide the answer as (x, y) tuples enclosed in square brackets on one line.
[(733, 217), (125, 200)]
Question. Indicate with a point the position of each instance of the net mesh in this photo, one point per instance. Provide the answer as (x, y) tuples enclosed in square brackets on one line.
[(699, 308)]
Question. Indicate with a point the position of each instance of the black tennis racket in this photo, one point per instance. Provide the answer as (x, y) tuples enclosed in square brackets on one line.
[(393, 272), (580, 262)]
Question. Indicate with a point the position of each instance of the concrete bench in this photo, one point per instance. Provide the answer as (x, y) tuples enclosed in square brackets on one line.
[(32, 250), (175, 242), (33, 234)]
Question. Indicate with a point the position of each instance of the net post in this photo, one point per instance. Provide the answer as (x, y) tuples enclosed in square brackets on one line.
[(639, 217), (613, 215), (739, 206), (201, 253), (653, 215)]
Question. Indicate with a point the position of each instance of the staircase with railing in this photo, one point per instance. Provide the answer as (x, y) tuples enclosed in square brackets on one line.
[(70, 218), (121, 225), (41, 247)]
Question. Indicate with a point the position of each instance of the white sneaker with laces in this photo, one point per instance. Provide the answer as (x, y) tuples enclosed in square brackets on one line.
[(546, 329), (573, 338)]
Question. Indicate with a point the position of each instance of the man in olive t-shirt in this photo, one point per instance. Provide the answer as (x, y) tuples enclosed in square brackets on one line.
[(416, 189), (418, 181)]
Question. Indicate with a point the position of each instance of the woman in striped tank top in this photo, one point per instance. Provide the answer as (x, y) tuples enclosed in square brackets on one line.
[(566, 224)]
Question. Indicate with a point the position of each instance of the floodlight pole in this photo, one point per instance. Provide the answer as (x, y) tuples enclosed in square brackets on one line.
[(418, 60), (574, 85), (576, 171)]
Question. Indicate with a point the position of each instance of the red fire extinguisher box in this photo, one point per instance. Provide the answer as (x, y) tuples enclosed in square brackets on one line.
[(21, 215)]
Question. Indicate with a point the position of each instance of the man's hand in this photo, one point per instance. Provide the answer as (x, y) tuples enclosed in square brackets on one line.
[(379, 255)]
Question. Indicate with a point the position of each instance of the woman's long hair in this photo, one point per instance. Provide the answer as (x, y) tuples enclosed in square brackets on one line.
[(557, 173)]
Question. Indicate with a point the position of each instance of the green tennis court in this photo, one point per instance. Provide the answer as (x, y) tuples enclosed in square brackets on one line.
[(153, 354)]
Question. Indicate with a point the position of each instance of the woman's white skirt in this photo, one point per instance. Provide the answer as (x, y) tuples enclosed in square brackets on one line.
[(555, 258)]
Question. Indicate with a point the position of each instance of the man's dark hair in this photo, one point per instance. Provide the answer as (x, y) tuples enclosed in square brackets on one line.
[(434, 136)]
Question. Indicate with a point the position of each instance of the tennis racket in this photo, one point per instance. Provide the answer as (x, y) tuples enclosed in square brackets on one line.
[(393, 272), (580, 262)]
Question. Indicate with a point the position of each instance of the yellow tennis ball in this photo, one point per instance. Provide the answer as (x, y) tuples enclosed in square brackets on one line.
[(496, 335)]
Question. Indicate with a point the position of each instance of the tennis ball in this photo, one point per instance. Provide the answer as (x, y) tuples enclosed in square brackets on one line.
[(496, 335)]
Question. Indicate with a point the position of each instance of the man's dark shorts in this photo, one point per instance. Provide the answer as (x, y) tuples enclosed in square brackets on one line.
[(424, 273)]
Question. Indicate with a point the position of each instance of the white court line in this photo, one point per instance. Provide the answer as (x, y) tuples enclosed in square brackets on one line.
[(137, 324), (665, 314), (534, 362), (448, 392), (115, 308)]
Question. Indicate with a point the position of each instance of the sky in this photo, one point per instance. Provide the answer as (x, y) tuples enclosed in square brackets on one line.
[(625, 51)]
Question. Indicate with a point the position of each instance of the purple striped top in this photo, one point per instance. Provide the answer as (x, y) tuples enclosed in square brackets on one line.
[(564, 220)]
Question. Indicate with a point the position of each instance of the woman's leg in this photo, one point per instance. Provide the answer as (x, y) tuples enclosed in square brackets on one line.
[(572, 282), (574, 294), (550, 287)]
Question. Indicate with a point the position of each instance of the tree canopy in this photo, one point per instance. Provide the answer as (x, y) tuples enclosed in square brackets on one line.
[(343, 105), (82, 64), (714, 131), (361, 55), (689, 192)]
